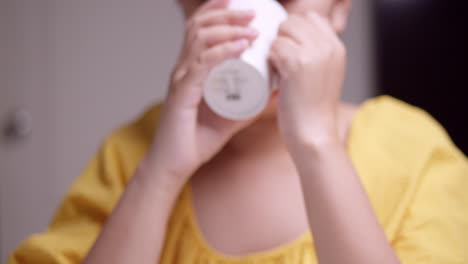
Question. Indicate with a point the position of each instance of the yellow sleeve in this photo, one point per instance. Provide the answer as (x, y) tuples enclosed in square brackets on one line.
[(80, 216), (435, 227)]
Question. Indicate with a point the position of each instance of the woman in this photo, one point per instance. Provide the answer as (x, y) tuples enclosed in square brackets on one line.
[(309, 180)]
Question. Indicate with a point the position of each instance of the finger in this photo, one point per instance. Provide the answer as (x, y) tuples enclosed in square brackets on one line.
[(210, 5), (295, 28), (207, 60), (218, 34), (229, 17), (189, 90), (322, 23), (212, 36), (281, 57), (217, 54), (329, 38)]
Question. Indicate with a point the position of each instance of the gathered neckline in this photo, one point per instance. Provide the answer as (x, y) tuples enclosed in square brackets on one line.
[(268, 253)]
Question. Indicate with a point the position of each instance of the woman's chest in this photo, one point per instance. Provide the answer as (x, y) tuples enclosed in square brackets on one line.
[(248, 210)]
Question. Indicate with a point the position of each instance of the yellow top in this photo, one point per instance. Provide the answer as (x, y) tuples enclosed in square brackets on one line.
[(416, 179)]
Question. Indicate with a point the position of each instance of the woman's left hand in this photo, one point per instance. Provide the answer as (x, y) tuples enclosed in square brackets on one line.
[(309, 60)]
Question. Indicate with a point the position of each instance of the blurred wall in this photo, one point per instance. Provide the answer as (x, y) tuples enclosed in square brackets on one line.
[(359, 39), (104, 62)]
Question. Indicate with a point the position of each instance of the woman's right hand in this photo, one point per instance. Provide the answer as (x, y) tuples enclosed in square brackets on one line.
[(188, 133)]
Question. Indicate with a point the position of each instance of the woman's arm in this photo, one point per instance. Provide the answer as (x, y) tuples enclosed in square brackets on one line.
[(343, 224), (187, 136), (135, 231)]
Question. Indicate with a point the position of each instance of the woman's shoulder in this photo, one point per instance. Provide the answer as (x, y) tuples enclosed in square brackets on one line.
[(125, 146), (398, 135), (401, 151), (399, 125), (414, 176), (141, 129)]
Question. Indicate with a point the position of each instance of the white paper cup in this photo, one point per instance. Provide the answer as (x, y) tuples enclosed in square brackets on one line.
[(239, 89)]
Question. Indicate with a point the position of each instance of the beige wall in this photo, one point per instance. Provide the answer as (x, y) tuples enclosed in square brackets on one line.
[(110, 59), (101, 62)]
